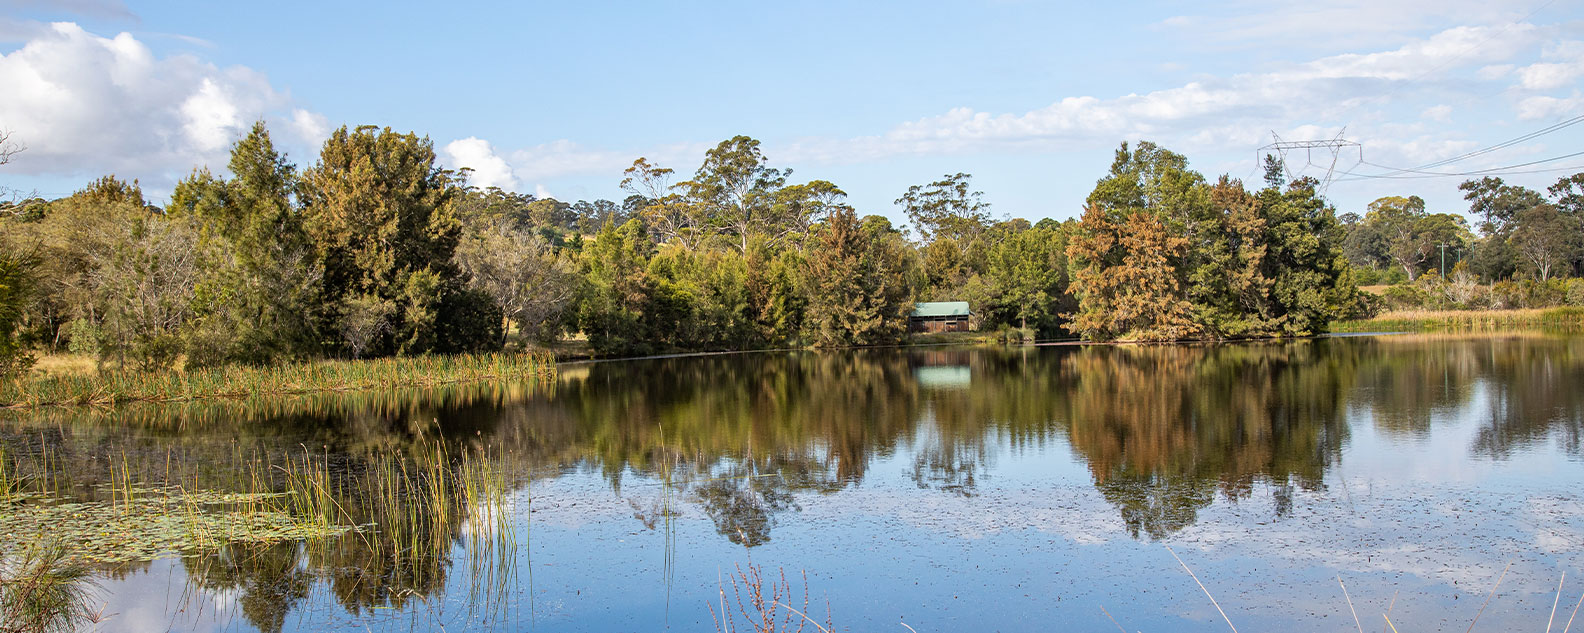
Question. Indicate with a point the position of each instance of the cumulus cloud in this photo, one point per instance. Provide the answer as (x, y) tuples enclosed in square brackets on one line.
[(1212, 113), (1542, 107), (88, 104), (489, 170), (1565, 65), (310, 128)]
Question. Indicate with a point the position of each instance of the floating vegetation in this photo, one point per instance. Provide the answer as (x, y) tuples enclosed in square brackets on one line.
[(235, 382), (140, 524)]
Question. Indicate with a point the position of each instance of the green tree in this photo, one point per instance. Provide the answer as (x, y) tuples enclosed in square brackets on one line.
[(261, 284), (16, 288), (946, 208), (1029, 273), (737, 190), (1412, 234), (616, 289), (1545, 239), (861, 276), (383, 219)]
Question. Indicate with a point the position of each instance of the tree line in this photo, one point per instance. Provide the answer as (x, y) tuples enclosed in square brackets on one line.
[(1524, 250), (376, 250)]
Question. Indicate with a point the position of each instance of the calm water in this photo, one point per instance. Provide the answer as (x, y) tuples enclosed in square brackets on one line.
[(948, 489)]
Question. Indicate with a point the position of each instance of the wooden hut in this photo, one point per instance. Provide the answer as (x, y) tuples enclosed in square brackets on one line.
[(939, 316)]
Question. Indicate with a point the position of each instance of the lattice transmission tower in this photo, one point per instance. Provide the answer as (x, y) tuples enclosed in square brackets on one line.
[(1330, 152)]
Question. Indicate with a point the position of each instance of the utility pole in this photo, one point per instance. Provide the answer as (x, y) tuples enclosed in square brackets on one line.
[(1443, 259)]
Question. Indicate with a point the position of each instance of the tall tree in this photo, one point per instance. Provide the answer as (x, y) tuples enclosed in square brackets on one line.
[(1028, 270), (946, 208), (1498, 203), (264, 266), (1545, 239), (383, 219), (1412, 234), (611, 310), (1125, 277), (16, 285), (667, 214), (736, 188), (860, 281)]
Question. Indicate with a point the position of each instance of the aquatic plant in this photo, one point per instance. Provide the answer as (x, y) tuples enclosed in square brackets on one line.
[(1566, 319), (43, 589), (113, 387), (772, 613)]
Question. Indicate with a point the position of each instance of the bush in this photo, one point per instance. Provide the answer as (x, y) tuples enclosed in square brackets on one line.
[(1404, 298), (1575, 292), (1366, 305), (83, 337)]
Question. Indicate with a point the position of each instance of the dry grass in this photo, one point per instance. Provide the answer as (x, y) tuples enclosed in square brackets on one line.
[(66, 365), (1483, 320)]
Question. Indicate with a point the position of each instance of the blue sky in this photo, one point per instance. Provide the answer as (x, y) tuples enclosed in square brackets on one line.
[(1029, 97)]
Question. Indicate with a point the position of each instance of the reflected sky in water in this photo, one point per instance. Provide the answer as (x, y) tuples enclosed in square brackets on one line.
[(951, 489)]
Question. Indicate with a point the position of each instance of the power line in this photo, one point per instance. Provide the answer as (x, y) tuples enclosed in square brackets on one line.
[(1508, 169), (1483, 151)]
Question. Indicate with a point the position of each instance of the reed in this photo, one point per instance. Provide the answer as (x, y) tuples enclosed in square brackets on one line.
[(43, 589), (236, 382), (1467, 320)]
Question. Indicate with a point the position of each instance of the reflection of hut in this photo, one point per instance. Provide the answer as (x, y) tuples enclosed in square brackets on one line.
[(939, 316), (944, 377)]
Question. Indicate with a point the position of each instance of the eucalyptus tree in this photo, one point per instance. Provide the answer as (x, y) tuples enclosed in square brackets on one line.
[(736, 190), (946, 208)]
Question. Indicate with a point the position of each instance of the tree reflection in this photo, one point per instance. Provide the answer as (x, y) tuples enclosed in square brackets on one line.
[(1164, 428), (1164, 432)]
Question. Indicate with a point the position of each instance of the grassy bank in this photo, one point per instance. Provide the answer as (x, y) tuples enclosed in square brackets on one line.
[(1467, 320), (40, 389)]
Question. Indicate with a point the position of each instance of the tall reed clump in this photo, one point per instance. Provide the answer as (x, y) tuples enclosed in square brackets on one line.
[(111, 387), (43, 589), (1567, 319)]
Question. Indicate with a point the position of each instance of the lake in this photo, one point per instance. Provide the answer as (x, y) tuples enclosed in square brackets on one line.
[(945, 489)]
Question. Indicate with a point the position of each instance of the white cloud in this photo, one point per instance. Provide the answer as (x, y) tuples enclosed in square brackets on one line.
[(1214, 113), (311, 128), (1550, 75), (1547, 107), (542, 193), (93, 8), (1440, 113), (1348, 23), (489, 170), (86, 105)]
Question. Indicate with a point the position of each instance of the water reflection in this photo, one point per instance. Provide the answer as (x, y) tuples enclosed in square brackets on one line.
[(743, 440)]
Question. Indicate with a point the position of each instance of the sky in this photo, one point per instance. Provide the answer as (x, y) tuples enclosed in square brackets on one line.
[(1031, 98)]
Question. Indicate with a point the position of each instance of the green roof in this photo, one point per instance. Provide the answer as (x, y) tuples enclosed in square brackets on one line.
[(940, 308)]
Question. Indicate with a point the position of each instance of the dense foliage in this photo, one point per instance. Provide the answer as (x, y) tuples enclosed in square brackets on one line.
[(376, 250)]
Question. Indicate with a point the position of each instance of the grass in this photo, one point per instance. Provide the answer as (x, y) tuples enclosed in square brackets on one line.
[(1466, 320), (66, 388), (405, 507), (43, 589)]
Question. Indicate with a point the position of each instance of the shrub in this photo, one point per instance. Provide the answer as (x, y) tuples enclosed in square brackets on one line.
[(1404, 297), (1575, 292)]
